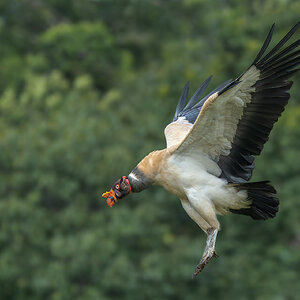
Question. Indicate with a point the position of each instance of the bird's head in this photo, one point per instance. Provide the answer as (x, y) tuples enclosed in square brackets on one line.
[(120, 189)]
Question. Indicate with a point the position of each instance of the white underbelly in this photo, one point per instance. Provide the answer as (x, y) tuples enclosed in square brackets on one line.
[(188, 178)]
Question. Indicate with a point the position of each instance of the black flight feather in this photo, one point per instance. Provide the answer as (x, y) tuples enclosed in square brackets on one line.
[(265, 45), (281, 43), (182, 100), (198, 93)]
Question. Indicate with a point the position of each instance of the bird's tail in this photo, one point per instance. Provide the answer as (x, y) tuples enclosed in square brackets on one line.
[(262, 195)]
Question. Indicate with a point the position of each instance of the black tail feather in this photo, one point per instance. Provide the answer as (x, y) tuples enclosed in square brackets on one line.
[(262, 195)]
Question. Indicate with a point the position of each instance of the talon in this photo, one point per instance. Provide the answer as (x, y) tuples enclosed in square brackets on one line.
[(197, 271), (205, 259), (199, 268)]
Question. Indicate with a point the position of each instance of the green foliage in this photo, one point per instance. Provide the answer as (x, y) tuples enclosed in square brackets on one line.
[(85, 48), (86, 89)]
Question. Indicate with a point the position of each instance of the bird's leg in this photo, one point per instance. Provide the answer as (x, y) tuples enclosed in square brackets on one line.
[(208, 222), (209, 251)]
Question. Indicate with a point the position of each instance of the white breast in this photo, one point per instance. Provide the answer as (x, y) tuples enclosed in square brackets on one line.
[(191, 177)]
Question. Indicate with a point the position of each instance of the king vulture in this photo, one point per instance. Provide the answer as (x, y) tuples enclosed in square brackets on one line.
[(212, 142)]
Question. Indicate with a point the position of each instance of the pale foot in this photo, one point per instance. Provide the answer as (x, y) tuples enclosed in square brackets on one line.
[(209, 251)]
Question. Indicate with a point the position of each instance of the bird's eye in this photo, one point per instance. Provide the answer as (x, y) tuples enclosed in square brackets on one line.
[(117, 186)]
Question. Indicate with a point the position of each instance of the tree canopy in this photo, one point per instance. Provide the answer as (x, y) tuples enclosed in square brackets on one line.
[(86, 89)]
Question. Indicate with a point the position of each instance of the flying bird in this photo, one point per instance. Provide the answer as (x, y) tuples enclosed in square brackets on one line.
[(213, 140)]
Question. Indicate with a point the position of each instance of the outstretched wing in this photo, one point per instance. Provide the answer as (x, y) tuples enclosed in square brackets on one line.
[(235, 122), (187, 112)]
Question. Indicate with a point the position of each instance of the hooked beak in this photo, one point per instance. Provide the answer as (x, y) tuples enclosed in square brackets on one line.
[(111, 197)]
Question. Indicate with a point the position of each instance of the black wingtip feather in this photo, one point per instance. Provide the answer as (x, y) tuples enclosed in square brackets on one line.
[(281, 55), (280, 44), (182, 99), (198, 93), (264, 46)]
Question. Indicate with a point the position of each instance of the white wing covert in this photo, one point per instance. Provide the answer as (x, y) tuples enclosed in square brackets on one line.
[(216, 124)]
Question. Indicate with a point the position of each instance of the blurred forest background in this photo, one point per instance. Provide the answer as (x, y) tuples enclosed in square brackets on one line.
[(86, 89)]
